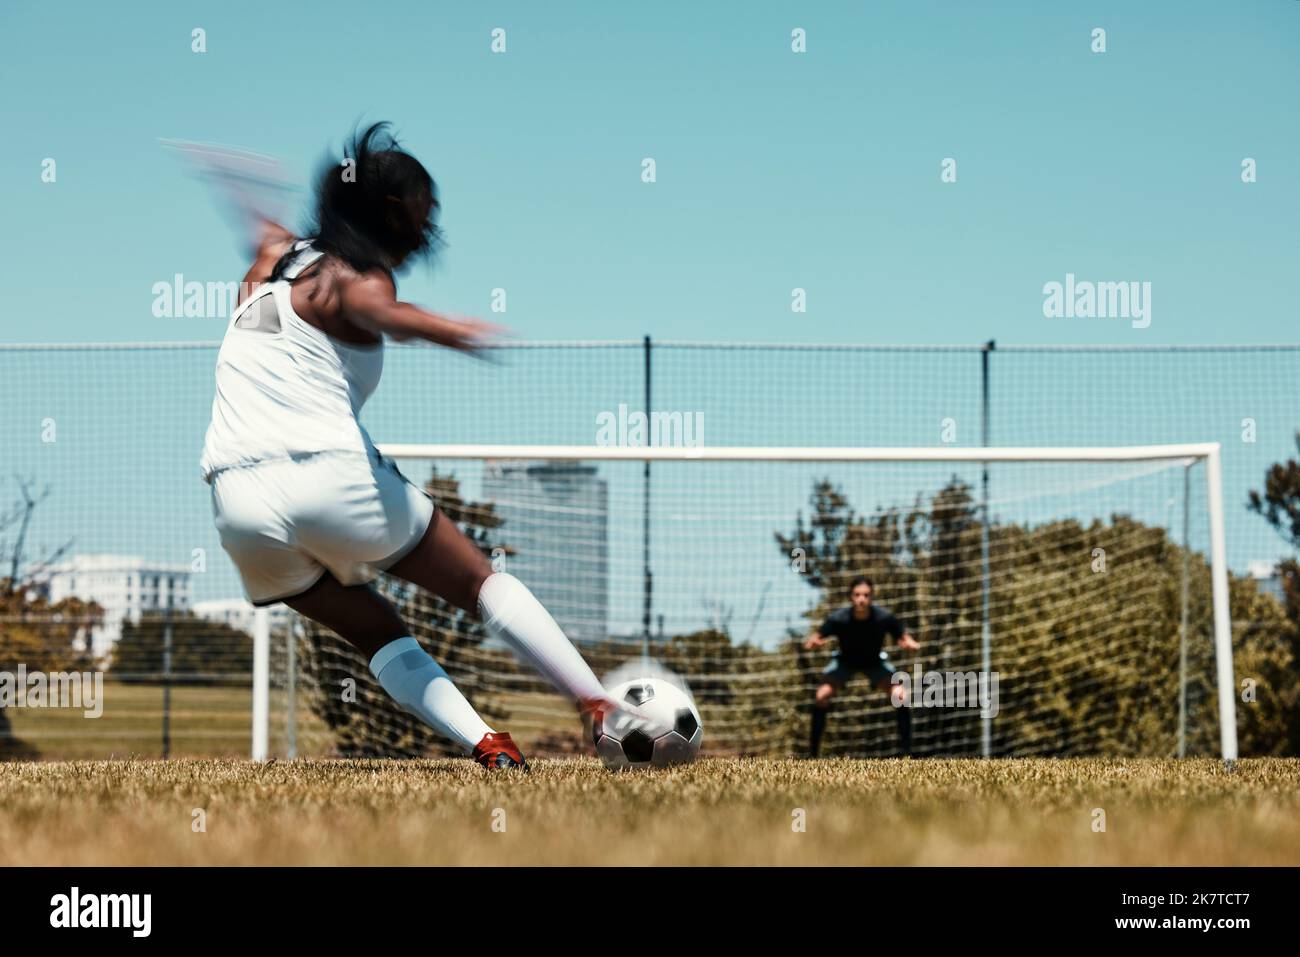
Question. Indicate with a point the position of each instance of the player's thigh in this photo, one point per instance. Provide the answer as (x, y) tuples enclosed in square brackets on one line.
[(836, 675), (446, 563), (356, 613), (883, 679), (896, 692), (826, 691), (355, 516)]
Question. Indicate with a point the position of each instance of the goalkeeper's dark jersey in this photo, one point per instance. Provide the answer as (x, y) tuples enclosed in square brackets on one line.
[(861, 639)]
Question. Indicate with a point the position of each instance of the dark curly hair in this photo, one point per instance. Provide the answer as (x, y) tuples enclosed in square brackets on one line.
[(363, 209)]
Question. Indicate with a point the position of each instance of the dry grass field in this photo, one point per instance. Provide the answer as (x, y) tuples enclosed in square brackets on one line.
[(740, 812)]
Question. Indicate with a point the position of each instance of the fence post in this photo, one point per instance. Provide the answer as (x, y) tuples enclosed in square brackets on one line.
[(645, 524), (261, 681), (167, 676), (1182, 621), (291, 689), (986, 630)]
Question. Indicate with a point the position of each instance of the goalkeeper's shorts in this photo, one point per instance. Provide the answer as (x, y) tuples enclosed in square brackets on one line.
[(287, 522), (840, 672)]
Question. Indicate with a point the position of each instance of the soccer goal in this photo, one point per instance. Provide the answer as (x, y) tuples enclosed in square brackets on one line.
[(1067, 601)]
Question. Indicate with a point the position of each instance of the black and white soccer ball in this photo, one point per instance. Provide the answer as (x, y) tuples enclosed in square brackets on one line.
[(670, 733)]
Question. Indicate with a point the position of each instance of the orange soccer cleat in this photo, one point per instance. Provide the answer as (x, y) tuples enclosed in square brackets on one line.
[(496, 750)]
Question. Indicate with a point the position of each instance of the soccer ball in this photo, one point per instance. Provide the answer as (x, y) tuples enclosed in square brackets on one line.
[(670, 733)]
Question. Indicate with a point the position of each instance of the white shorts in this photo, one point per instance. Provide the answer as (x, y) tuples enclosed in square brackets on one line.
[(285, 523)]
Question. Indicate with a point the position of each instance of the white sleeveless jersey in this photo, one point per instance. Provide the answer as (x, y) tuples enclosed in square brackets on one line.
[(284, 387)]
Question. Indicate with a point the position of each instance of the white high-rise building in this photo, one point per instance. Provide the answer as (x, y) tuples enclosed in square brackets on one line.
[(124, 586), (556, 517)]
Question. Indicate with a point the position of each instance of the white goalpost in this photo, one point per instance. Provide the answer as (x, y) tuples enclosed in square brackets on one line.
[(720, 557)]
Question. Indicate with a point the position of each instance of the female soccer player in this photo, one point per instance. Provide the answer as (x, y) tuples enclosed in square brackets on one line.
[(306, 507)]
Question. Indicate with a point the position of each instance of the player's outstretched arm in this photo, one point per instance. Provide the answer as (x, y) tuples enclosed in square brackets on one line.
[(907, 642), (814, 641), (370, 300)]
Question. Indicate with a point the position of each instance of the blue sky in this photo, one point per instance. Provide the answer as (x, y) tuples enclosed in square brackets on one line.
[(775, 170)]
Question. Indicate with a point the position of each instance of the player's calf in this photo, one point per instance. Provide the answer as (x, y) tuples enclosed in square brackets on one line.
[(902, 714), (821, 705), (416, 682)]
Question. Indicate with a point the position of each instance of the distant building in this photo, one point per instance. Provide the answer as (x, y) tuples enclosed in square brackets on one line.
[(1267, 578), (125, 587), (238, 614), (556, 525)]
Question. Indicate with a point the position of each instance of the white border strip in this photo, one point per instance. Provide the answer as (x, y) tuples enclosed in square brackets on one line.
[(725, 453), (708, 345)]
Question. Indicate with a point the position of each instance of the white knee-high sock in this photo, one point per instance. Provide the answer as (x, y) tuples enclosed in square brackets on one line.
[(420, 686), (511, 613)]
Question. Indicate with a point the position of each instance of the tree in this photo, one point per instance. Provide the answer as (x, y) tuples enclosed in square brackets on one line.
[(1088, 660), (35, 632), (202, 652), (1279, 505)]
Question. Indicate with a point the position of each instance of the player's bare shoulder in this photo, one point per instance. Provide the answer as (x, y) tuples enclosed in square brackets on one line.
[(365, 296), (321, 293)]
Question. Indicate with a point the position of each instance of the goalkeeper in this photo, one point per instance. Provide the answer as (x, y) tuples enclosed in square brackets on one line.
[(860, 629)]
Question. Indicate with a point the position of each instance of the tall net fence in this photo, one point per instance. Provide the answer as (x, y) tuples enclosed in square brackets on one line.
[(107, 540)]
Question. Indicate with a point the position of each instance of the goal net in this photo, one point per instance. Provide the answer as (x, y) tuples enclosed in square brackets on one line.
[(1066, 601)]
